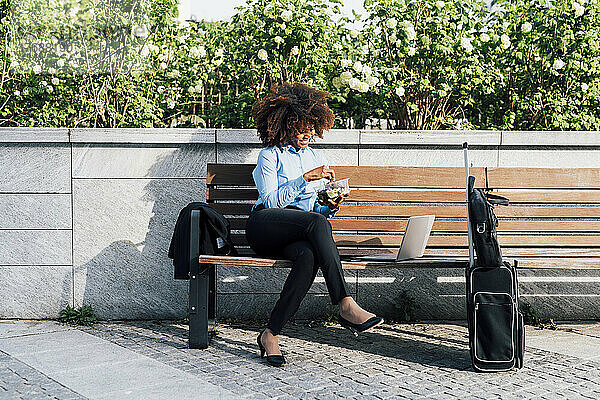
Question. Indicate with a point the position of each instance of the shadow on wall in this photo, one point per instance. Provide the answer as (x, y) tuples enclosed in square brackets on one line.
[(132, 277)]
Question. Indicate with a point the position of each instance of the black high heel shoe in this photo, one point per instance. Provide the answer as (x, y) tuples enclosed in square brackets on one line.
[(357, 328), (276, 360)]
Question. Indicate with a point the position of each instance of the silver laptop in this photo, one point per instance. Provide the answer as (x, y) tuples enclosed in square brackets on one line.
[(413, 243)]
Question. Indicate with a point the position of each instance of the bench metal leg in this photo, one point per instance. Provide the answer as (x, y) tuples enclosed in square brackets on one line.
[(198, 308), (212, 293)]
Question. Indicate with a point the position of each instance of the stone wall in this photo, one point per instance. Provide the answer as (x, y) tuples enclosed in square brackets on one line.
[(86, 216)]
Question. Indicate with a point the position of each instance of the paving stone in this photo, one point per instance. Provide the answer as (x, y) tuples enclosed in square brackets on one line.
[(20, 381), (393, 362)]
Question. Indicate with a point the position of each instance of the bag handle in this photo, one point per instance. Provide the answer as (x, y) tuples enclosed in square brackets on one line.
[(497, 199)]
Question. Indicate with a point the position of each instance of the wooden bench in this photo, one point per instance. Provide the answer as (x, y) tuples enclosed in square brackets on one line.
[(553, 221)]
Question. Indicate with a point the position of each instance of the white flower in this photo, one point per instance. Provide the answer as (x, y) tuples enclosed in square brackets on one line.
[(198, 88), (160, 89), (584, 87), (14, 64), (163, 65), (391, 23), (262, 55), (219, 53), (505, 41), (286, 15), (363, 87), (505, 24), (197, 52), (278, 39), (366, 70), (440, 4), (558, 64), (183, 38), (353, 33), (217, 61), (399, 91), (25, 92), (17, 93), (50, 89), (295, 50), (357, 67), (337, 82), (337, 46), (55, 81), (346, 76), (171, 104), (191, 89), (145, 52), (409, 28), (466, 44), (44, 83), (73, 63), (155, 49), (269, 11), (37, 69), (139, 31), (52, 71), (372, 80), (526, 27), (412, 51), (578, 8), (484, 37), (345, 63), (393, 37), (354, 83), (173, 74)]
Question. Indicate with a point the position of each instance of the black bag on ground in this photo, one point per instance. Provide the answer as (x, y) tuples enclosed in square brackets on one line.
[(496, 328), (483, 225)]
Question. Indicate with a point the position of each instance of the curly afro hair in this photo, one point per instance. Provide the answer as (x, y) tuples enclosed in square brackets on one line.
[(291, 109)]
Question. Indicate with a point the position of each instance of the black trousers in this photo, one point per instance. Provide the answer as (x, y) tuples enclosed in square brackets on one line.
[(304, 238)]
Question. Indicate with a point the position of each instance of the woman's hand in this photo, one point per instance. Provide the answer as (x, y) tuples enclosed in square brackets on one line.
[(334, 203), (318, 173)]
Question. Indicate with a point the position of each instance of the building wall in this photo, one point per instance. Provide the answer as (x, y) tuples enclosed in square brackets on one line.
[(87, 215)]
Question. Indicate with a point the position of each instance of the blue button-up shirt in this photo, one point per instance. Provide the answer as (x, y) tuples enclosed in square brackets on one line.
[(279, 178)]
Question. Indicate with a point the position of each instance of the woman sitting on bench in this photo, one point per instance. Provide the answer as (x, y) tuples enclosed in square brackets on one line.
[(288, 220)]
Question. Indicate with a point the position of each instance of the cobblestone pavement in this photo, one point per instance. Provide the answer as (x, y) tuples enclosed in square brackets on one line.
[(20, 381), (327, 362)]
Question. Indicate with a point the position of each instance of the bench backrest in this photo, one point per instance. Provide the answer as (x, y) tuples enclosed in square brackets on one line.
[(375, 214), (553, 212)]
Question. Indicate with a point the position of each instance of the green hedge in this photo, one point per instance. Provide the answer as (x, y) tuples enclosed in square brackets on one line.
[(415, 64)]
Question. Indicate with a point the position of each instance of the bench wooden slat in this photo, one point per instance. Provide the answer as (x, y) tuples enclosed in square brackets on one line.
[(532, 263), (362, 176), (461, 240), (550, 212), (461, 226), (553, 197), (456, 241), (420, 196), (513, 252), (393, 176), (503, 178), (350, 210), (428, 196), (267, 262), (550, 226), (507, 253), (558, 263)]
